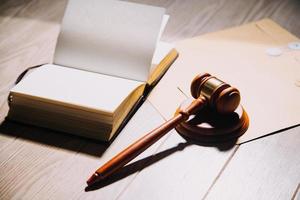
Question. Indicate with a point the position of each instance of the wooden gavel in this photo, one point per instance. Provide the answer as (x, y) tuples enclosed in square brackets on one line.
[(207, 91)]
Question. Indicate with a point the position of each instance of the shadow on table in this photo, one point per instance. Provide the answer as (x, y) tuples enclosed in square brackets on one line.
[(53, 138), (148, 161)]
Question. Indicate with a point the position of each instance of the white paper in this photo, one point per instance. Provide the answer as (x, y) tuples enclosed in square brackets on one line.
[(109, 37)]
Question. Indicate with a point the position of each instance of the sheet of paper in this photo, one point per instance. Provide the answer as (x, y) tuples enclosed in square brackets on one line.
[(268, 84), (110, 37), (76, 87)]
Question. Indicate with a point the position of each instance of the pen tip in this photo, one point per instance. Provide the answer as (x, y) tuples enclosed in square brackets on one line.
[(94, 178)]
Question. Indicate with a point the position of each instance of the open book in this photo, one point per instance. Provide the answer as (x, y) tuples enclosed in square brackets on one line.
[(107, 59)]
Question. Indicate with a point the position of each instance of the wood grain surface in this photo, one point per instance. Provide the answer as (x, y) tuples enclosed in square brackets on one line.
[(36, 163), (183, 170), (193, 17), (265, 169)]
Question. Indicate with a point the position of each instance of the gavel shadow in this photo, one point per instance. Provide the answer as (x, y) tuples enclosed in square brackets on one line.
[(150, 160), (205, 129)]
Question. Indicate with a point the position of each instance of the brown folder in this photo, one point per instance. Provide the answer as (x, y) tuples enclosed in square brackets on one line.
[(269, 84)]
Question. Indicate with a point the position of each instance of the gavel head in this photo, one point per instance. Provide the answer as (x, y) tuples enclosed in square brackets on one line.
[(221, 96)]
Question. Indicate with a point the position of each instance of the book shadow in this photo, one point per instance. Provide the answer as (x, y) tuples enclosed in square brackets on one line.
[(141, 164), (53, 138)]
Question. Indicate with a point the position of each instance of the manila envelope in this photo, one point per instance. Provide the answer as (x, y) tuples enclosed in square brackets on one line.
[(269, 85)]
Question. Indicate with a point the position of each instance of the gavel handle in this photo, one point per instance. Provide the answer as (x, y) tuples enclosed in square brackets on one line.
[(143, 143)]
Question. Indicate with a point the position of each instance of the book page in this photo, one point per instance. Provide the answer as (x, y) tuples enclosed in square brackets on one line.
[(162, 48), (63, 85), (109, 37), (161, 51)]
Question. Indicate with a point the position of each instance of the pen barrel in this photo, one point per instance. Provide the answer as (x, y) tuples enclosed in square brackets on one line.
[(146, 141), (137, 147)]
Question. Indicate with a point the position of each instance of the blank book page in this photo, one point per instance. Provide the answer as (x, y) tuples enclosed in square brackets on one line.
[(76, 87)]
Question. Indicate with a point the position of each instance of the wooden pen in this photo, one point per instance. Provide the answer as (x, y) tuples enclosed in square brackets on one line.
[(134, 150)]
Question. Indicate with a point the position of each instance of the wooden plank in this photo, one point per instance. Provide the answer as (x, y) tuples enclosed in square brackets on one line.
[(263, 169), (178, 170), (42, 163)]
